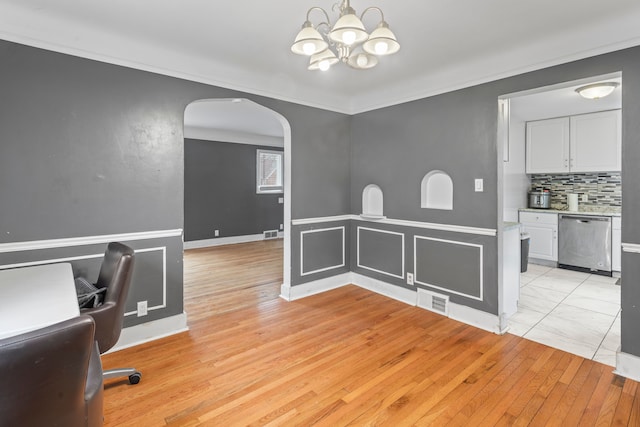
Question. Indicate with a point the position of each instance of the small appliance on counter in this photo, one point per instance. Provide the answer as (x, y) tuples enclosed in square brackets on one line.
[(540, 199)]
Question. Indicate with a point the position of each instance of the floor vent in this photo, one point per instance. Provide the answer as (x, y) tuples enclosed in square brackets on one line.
[(433, 302), (271, 234)]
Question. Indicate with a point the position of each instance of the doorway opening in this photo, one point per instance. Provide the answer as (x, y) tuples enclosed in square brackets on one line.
[(575, 311), (237, 197)]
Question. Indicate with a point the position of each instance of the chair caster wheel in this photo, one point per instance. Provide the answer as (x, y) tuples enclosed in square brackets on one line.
[(135, 378)]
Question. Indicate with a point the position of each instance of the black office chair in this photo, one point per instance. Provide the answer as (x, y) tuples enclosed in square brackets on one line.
[(52, 376), (115, 274)]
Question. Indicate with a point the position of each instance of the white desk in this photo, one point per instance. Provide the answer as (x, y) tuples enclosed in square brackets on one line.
[(35, 297)]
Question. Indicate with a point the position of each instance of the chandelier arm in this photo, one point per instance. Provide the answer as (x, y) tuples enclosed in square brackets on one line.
[(328, 22), (372, 8), (326, 30), (340, 6)]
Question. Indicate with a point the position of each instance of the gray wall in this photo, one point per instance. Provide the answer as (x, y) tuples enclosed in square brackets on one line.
[(220, 191), (151, 281), (92, 149), (88, 148), (456, 132)]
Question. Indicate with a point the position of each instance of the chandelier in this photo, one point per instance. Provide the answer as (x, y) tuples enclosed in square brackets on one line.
[(347, 40)]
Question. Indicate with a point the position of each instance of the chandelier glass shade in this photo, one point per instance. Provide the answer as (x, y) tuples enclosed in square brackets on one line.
[(323, 60), (346, 41)]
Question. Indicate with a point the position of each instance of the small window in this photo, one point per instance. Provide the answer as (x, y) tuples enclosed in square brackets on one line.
[(269, 171)]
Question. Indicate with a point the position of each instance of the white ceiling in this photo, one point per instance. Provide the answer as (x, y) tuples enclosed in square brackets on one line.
[(563, 100), (245, 44), (233, 120), (233, 115)]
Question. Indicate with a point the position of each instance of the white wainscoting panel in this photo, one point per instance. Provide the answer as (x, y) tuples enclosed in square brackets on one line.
[(375, 230), (163, 249), (453, 242), (327, 268)]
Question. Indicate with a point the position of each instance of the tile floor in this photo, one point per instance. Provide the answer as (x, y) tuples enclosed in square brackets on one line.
[(569, 310)]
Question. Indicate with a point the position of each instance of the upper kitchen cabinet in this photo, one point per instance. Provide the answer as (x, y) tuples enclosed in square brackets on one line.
[(582, 143), (596, 142), (548, 146)]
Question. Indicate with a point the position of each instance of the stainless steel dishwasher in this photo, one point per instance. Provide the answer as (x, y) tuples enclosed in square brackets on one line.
[(584, 243)]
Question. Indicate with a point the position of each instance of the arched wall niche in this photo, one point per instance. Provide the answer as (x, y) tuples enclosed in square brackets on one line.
[(436, 191), (372, 202)]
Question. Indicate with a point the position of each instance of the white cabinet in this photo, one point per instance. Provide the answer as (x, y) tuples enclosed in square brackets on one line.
[(596, 142), (616, 243), (548, 146), (583, 143), (543, 232)]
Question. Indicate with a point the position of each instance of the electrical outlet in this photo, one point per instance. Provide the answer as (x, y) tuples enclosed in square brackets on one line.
[(281, 227), (216, 233), (281, 200), (142, 308), (409, 278)]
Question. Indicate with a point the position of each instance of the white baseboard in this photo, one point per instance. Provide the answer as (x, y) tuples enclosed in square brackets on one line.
[(219, 241), (292, 293), (156, 329), (161, 328), (470, 316), (474, 317), (404, 295), (627, 365), (462, 313)]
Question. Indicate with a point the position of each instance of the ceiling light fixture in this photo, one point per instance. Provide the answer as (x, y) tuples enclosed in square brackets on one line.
[(597, 90), (347, 41)]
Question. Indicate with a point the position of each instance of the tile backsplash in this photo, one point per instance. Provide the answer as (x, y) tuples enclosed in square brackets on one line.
[(603, 189)]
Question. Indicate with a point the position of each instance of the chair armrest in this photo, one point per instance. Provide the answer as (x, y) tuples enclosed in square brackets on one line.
[(101, 315), (108, 327)]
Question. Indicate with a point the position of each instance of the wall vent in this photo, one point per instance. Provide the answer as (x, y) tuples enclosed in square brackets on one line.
[(431, 301), (270, 234)]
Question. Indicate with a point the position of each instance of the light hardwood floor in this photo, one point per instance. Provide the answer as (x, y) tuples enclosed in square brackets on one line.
[(345, 357)]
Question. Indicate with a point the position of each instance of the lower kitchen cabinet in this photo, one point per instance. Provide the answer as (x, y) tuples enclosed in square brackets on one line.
[(543, 232)]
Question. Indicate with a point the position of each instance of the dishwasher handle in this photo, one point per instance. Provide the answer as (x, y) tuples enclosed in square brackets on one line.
[(586, 219)]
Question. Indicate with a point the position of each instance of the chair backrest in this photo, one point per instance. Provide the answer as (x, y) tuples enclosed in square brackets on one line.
[(115, 274), (44, 373)]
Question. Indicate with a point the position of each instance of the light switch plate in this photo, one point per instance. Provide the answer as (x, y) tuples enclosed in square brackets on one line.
[(479, 184), (280, 200)]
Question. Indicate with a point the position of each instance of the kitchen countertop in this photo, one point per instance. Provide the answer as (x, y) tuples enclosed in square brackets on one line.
[(598, 212)]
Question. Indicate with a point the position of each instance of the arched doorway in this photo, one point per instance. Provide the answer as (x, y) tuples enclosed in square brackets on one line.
[(238, 121)]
